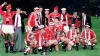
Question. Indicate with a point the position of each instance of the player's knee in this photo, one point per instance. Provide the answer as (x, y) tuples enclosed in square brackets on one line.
[(55, 42), (34, 46), (31, 44), (66, 43), (69, 47), (81, 40), (95, 41), (77, 41), (35, 42)]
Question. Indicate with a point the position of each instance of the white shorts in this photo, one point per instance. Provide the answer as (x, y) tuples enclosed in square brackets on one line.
[(88, 42), (71, 43), (28, 28), (52, 41), (66, 29), (8, 29)]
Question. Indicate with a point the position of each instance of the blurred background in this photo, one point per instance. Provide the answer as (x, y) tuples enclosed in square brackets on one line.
[(91, 6)]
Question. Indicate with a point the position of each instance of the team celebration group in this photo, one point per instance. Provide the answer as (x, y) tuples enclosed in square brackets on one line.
[(45, 30)]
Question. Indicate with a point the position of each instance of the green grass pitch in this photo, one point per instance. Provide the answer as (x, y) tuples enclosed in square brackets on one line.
[(81, 52)]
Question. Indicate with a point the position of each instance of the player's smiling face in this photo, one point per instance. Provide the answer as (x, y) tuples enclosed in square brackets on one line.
[(18, 11), (35, 31), (75, 15), (83, 14), (87, 29), (55, 11), (50, 26), (56, 21), (42, 31), (63, 11), (40, 9), (73, 28), (36, 11), (46, 12), (8, 10)]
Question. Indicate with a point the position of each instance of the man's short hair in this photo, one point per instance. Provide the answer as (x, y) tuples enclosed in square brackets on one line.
[(84, 12), (40, 6), (18, 8), (74, 12), (34, 28), (57, 18)]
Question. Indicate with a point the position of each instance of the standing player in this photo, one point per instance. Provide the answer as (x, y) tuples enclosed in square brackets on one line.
[(40, 15), (52, 41), (65, 19), (33, 19), (57, 25), (54, 14), (7, 26), (88, 37), (47, 18), (44, 40), (75, 20), (73, 38)]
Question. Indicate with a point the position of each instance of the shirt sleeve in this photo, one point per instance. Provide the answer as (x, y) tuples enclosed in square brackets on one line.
[(93, 34), (27, 36), (82, 34), (1, 11)]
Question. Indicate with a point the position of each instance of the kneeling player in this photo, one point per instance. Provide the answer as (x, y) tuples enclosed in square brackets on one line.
[(53, 43), (73, 38), (44, 39), (88, 37), (51, 37), (31, 41), (61, 37)]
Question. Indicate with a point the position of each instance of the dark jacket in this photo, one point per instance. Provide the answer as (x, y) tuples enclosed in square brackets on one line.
[(22, 21), (88, 21)]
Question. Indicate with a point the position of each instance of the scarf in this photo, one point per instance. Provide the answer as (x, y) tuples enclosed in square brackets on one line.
[(71, 36), (88, 35), (40, 41), (17, 20), (63, 18)]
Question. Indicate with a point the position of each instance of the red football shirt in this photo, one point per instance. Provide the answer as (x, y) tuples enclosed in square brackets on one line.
[(52, 16), (71, 34), (92, 34), (7, 17), (32, 19), (49, 33)]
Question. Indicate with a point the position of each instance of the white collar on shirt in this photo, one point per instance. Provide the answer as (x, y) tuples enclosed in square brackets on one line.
[(85, 17), (19, 20)]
